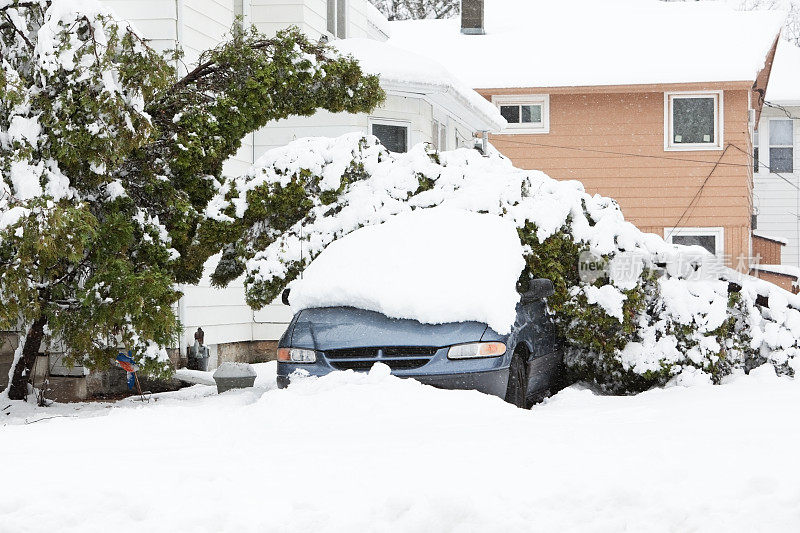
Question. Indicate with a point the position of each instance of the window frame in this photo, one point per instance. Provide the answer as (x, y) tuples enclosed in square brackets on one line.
[(770, 146), (336, 18), (718, 232), (439, 131), (392, 122), (525, 99), (756, 152), (719, 121)]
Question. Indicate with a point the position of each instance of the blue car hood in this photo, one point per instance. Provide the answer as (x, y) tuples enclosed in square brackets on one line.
[(332, 328)]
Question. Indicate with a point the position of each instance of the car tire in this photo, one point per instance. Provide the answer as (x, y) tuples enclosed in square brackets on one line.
[(517, 380)]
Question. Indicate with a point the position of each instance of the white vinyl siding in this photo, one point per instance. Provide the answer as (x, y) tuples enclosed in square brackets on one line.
[(156, 20), (206, 23), (311, 16), (775, 196), (414, 111)]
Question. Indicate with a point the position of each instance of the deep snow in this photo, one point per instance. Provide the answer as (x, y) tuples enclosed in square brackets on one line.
[(589, 43), (358, 452)]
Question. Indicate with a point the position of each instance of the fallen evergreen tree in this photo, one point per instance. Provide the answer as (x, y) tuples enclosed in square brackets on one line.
[(652, 315)]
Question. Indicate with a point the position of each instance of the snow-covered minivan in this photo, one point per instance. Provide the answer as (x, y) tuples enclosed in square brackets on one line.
[(412, 293)]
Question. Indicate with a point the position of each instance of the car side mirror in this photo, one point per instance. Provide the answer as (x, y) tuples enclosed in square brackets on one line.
[(285, 296), (540, 289)]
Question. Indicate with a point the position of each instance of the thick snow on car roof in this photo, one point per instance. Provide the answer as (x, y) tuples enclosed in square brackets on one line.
[(434, 265), (589, 43)]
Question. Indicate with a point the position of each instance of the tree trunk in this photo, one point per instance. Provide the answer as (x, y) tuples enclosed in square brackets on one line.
[(22, 371)]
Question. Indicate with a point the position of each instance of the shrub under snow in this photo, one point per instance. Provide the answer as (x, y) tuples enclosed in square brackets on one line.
[(648, 319)]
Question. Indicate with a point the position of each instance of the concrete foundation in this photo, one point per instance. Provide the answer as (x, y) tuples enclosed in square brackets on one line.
[(246, 352), (67, 389)]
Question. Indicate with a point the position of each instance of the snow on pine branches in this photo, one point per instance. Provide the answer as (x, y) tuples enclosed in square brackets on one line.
[(626, 330), (108, 159)]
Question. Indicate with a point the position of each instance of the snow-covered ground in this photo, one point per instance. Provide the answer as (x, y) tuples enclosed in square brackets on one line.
[(370, 452)]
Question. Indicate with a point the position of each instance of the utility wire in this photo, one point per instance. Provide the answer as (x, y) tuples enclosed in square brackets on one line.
[(624, 154), (716, 163), (760, 164), (699, 192), (783, 109)]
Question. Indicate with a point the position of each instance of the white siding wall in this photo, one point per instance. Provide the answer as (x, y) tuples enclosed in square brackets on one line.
[(414, 111), (310, 16), (269, 16), (225, 317), (777, 200), (156, 20), (206, 23)]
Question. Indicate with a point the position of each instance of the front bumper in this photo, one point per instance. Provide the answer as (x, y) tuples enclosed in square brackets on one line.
[(489, 375), (492, 382)]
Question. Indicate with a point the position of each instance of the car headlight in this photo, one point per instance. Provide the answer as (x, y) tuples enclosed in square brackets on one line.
[(296, 355), (476, 349)]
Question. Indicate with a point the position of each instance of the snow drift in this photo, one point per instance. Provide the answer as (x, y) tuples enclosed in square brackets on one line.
[(371, 452)]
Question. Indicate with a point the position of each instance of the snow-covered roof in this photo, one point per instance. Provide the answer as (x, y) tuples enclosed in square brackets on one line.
[(784, 270), (763, 235), (407, 72), (378, 268), (590, 43), (377, 19), (784, 79)]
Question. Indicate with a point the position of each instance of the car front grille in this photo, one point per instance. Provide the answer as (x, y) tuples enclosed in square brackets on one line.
[(396, 357)]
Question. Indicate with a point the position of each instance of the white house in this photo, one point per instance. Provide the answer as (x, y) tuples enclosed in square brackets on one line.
[(424, 104), (776, 142)]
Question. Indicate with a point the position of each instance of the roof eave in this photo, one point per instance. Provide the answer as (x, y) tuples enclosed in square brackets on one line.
[(622, 88), (448, 98)]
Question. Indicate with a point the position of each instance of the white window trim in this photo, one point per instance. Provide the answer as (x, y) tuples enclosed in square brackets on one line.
[(756, 144), (392, 122), (336, 34), (435, 133), (719, 111), (345, 20), (525, 99), (714, 231), (330, 17)]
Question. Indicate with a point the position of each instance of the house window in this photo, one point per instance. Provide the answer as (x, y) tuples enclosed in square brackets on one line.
[(337, 18), (781, 145), (712, 239), (525, 113), (755, 152), (693, 121), (393, 135), (522, 114)]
